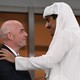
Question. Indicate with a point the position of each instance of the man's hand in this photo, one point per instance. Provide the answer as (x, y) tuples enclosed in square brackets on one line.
[(6, 55)]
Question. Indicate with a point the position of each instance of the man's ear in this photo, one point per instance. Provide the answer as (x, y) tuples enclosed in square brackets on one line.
[(10, 36)]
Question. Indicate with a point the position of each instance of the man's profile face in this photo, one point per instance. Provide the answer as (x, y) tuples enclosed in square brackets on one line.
[(50, 24), (19, 36)]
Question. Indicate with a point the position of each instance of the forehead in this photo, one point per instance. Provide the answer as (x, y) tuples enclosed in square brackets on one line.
[(48, 17), (17, 25)]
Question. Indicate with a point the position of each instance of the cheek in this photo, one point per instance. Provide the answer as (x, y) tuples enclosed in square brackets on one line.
[(53, 25), (17, 39)]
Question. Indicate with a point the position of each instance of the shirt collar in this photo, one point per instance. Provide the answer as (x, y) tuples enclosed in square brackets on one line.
[(16, 54)]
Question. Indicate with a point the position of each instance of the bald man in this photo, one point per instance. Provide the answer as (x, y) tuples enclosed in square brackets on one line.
[(14, 37)]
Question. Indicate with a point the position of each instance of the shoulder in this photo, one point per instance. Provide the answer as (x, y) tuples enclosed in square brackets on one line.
[(67, 34)]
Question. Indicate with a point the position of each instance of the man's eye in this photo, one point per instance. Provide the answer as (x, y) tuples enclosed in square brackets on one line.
[(22, 30)]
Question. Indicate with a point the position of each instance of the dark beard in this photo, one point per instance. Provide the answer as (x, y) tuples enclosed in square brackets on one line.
[(52, 33)]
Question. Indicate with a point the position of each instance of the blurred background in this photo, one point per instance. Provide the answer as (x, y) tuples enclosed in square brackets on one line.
[(30, 13)]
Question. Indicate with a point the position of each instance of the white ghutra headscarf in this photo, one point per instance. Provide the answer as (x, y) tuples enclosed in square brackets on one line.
[(66, 17)]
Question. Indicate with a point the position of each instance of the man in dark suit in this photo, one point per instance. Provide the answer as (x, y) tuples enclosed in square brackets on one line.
[(14, 37)]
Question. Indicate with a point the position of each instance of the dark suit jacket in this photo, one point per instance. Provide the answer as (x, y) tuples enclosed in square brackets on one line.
[(8, 72)]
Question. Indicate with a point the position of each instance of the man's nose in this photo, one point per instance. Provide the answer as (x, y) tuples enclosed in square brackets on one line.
[(26, 34), (47, 25)]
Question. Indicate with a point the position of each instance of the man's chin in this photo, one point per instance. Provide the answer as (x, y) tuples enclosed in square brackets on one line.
[(23, 45)]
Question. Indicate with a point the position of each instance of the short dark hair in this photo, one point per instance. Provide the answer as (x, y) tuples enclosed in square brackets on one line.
[(54, 16)]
